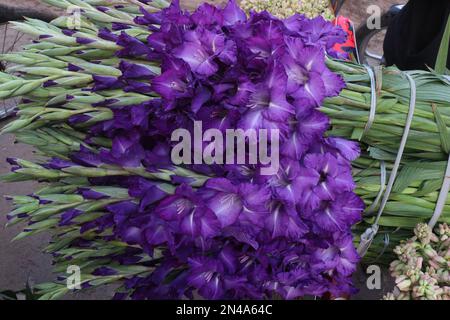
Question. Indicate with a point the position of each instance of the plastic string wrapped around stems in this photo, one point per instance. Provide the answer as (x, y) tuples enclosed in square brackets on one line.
[(370, 233), (442, 197)]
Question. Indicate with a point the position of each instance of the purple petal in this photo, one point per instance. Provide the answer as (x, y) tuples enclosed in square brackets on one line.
[(348, 149), (333, 82), (233, 14), (197, 58), (135, 71)]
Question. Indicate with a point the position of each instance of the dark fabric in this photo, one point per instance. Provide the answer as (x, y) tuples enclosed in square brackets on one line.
[(415, 34)]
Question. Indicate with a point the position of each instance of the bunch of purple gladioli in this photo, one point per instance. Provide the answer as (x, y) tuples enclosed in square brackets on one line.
[(241, 234)]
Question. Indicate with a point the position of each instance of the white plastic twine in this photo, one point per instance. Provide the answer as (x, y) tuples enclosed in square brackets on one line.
[(442, 197), (375, 88), (442, 194), (368, 236), (383, 177), (373, 101)]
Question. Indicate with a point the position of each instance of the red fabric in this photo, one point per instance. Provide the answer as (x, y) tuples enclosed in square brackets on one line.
[(348, 46)]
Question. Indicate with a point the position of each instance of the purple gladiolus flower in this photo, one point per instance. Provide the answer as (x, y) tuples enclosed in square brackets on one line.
[(338, 215), (137, 86), (268, 104), (240, 234), (158, 233), (333, 83), (283, 221), (304, 68), (188, 211), (306, 128), (287, 183), (202, 47), (86, 157), (319, 31), (206, 276), (348, 149), (174, 83), (232, 14), (340, 255), (326, 177), (207, 15), (230, 203)]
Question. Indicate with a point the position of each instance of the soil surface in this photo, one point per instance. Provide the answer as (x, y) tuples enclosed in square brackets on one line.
[(22, 260)]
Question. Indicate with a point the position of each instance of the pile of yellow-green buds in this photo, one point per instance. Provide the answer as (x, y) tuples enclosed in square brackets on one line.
[(287, 8), (422, 269)]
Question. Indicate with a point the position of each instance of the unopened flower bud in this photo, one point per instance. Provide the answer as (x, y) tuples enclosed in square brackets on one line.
[(444, 231), (403, 283), (423, 233), (429, 252)]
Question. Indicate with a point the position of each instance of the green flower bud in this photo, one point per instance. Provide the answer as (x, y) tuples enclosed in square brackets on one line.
[(28, 164), (78, 80), (94, 54), (16, 58), (61, 51), (57, 115), (28, 87), (11, 86), (62, 198), (93, 68), (50, 210), (93, 172), (40, 173), (25, 208), (23, 199), (16, 125), (63, 4), (91, 206), (30, 111)]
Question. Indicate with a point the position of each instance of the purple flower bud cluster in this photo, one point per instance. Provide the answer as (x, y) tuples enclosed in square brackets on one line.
[(241, 234)]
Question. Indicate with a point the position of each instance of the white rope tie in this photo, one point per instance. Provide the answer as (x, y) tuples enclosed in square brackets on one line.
[(383, 177), (373, 100), (368, 236), (442, 197)]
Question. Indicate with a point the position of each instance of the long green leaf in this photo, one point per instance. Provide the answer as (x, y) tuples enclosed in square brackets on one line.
[(443, 132), (441, 61)]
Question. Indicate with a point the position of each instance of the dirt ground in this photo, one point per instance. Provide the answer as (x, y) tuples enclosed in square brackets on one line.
[(22, 260)]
